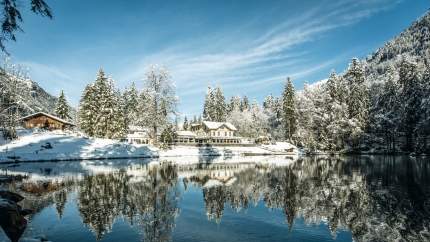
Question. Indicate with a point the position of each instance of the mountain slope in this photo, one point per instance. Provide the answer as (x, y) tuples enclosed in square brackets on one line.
[(413, 43), (31, 97)]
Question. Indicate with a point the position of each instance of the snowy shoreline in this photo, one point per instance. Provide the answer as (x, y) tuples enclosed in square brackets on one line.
[(64, 146)]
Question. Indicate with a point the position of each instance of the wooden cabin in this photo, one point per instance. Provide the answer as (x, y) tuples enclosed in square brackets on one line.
[(45, 121)]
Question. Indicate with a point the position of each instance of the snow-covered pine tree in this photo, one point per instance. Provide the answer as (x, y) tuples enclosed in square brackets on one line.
[(357, 101), (289, 110), (87, 111), (62, 109), (244, 104), (219, 106), (130, 102), (358, 96), (336, 118), (411, 100), (234, 104), (118, 127), (185, 125), (305, 119), (103, 100), (208, 106), (268, 102), (168, 135), (423, 127), (385, 111), (101, 112)]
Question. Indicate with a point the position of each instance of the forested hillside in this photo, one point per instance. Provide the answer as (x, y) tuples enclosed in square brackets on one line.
[(388, 91)]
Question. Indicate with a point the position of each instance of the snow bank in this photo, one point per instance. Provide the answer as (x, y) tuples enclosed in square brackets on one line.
[(281, 147), (58, 145)]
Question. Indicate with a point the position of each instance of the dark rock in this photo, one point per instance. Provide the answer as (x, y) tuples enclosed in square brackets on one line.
[(25, 212), (47, 145), (11, 196), (11, 219)]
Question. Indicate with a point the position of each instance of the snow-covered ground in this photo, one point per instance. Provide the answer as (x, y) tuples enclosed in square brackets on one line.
[(59, 145)]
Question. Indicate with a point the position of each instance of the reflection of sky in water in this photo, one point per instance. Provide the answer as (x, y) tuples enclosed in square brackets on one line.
[(379, 198)]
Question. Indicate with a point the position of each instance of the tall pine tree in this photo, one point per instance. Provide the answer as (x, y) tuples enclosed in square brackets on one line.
[(62, 109), (87, 111), (289, 110), (220, 109)]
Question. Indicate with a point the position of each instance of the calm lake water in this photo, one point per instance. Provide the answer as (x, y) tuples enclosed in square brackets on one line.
[(309, 199)]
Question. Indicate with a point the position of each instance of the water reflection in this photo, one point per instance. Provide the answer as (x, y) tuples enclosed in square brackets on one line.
[(376, 198)]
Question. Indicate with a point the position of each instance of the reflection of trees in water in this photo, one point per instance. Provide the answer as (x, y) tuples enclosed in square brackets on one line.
[(60, 200), (380, 199), (150, 203), (377, 199)]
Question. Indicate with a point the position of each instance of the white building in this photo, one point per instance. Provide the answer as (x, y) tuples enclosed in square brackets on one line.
[(138, 135), (208, 132)]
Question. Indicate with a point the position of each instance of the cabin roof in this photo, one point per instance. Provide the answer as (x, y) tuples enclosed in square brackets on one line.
[(47, 115), (217, 125)]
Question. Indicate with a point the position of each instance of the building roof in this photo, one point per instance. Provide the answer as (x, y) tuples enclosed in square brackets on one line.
[(217, 125), (186, 133), (47, 115), (138, 128)]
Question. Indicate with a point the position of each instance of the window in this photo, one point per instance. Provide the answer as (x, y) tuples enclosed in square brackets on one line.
[(225, 133), (218, 133)]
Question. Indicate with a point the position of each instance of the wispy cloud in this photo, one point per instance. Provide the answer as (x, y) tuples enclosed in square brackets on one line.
[(239, 62), (265, 60)]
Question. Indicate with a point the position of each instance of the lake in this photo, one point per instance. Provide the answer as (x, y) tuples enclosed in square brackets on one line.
[(361, 198)]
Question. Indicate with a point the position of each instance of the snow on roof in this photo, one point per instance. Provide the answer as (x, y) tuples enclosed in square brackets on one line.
[(48, 115), (185, 133), (217, 125), (137, 128), (230, 126)]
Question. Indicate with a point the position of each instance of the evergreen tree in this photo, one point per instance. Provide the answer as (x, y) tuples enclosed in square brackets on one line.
[(269, 102), (411, 99), (130, 102), (62, 109), (207, 104), (289, 110), (234, 104), (220, 110), (87, 111), (185, 125), (101, 113), (357, 101), (358, 96), (168, 135), (244, 104)]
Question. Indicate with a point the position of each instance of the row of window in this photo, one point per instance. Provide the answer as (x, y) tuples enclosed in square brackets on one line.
[(219, 133)]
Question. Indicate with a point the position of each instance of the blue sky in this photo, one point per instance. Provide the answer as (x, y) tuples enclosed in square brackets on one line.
[(246, 47)]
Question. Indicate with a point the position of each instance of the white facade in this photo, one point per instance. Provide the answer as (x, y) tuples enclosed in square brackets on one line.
[(138, 135)]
